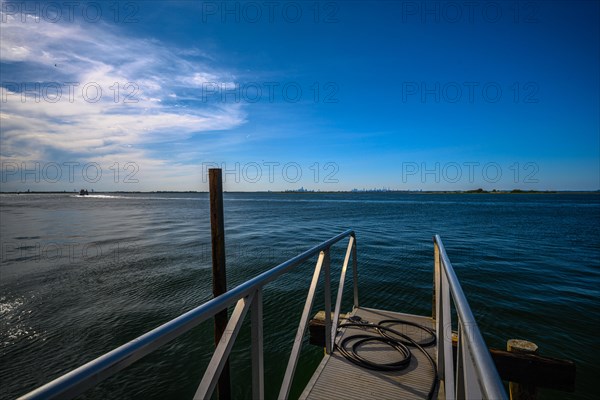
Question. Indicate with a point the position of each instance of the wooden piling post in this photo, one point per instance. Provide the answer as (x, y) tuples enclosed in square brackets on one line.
[(219, 276), (519, 391)]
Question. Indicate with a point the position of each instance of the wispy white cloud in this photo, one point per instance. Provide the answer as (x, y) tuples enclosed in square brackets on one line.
[(150, 94)]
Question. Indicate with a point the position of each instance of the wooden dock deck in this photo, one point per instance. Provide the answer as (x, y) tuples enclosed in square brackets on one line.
[(338, 378)]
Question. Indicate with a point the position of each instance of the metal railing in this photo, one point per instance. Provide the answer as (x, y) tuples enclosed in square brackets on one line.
[(475, 375), (247, 296)]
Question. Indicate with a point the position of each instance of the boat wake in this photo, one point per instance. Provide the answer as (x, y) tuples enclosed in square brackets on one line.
[(102, 196)]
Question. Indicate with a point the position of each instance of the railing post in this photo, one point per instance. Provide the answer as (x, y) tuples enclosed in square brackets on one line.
[(443, 325), (439, 317), (221, 355), (447, 334), (473, 385), (327, 291), (460, 364), (355, 273), (467, 382), (258, 368), (436, 267), (340, 292), (291, 366), (219, 275)]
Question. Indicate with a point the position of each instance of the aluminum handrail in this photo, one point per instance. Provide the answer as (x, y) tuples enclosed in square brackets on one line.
[(92, 373), (488, 379), (476, 375)]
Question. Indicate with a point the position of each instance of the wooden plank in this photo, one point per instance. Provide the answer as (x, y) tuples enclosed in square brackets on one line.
[(533, 369)]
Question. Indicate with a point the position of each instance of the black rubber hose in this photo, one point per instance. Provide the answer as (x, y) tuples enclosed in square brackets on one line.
[(422, 343), (353, 355), (399, 343)]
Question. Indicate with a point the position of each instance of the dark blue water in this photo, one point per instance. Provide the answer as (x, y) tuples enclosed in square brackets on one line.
[(80, 276)]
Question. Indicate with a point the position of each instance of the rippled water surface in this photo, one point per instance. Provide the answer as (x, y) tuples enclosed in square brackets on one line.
[(82, 275)]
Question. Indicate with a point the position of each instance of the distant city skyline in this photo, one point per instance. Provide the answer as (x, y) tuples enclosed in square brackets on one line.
[(328, 96)]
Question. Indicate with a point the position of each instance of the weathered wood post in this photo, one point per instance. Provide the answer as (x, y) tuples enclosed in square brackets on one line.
[(519, 391), (219, 276)]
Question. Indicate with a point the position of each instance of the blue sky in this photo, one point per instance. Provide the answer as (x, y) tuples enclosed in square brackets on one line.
[(326, 95)]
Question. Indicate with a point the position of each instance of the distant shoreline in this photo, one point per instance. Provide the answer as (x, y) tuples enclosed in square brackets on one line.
[(478, 191)]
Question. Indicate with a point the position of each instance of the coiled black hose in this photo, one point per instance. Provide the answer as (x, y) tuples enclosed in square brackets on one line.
[(400, 343), (409, 342)]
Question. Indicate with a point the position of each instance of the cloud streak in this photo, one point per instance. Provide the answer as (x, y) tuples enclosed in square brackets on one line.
[(93, 92)]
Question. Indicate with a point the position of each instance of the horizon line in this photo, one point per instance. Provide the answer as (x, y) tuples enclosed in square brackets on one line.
[(467, 191)]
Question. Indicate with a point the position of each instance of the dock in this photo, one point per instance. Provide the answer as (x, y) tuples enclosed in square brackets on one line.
[(338, 378), (430, 372)]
